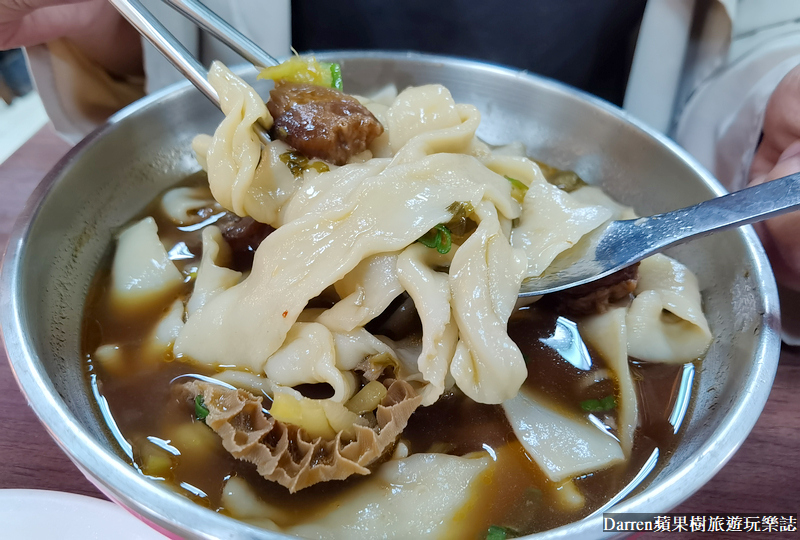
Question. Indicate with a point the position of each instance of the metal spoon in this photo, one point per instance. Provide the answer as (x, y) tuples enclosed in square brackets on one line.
[(623, 243)]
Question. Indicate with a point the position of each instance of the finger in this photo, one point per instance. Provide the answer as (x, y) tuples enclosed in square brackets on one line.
[(43, 25), (764, 160), (14, 10), (787, 163), (781, 124), (781, 235), (770, 153)]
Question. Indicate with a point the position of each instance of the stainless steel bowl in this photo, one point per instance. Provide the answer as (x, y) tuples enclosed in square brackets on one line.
[(103, 182)]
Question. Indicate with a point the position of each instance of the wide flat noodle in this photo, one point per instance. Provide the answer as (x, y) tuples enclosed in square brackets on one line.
[(286, 454), (430, 291), (246, 177), (562, 446), (182, 205), (608, 335), (665, 321), (249, 321), (365, 292), (308, 356), (544, 206), (418, 110), (484, 279), (593, 195), (212, 277), (235, 150), (421, 496), (142, 271)]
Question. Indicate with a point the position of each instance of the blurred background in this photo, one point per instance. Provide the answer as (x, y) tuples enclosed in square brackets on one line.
[(21, 111)]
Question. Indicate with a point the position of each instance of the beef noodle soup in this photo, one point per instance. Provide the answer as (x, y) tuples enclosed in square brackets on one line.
[(319, 336)]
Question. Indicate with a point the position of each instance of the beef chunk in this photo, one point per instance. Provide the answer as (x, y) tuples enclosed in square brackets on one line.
[(243, 235), (321, 122), (597, 296)]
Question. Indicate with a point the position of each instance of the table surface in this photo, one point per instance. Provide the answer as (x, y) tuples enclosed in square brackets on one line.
[(762, 476)]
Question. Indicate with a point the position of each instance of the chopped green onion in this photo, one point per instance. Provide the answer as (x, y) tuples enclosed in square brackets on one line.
[(460, 225), (564, 180), (439, 237), (336, 77), (429, 238), (298, 164), (496, 532), (319, 166), (599, 405), (533, 495), (526, 358), (445, 239), (460, 210), (200, 409), (518, 188), (517, 184)]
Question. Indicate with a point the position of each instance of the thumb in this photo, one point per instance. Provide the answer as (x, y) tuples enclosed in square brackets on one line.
[(23, 28), (781, 235), (788, 163)]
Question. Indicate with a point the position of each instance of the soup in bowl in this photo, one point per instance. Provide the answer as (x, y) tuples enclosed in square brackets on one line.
[(463, 435)]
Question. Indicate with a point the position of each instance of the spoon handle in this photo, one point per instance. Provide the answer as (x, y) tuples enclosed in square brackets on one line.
[(750, 205), (623, 243)]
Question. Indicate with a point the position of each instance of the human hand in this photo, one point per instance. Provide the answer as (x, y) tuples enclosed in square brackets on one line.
[(94, 26), (778, 155)]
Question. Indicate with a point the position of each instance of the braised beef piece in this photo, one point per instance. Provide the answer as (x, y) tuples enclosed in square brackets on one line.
[(597, 296), (321, 122), (243, 235)]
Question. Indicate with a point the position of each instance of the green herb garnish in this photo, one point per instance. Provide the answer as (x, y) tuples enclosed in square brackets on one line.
[(567, 181), (336, 77), (599, 405), (460, 210), (517, 184), (298, 163), (200, 409), (460, 225), (496, 532), (518, 188), (439, 237)]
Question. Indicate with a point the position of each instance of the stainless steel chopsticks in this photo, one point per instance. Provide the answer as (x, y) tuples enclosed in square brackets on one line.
[(220, 29), (155, 32)]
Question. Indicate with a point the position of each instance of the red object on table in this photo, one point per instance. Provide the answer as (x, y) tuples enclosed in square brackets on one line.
[(763, 476)]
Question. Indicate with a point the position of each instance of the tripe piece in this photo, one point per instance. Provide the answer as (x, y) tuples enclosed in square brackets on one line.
[(286, 454)]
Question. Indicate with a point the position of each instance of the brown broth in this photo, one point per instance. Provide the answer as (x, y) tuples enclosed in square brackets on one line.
[(515, 493)]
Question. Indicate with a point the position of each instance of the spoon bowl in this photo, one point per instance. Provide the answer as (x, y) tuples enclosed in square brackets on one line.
[(620, 244)]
